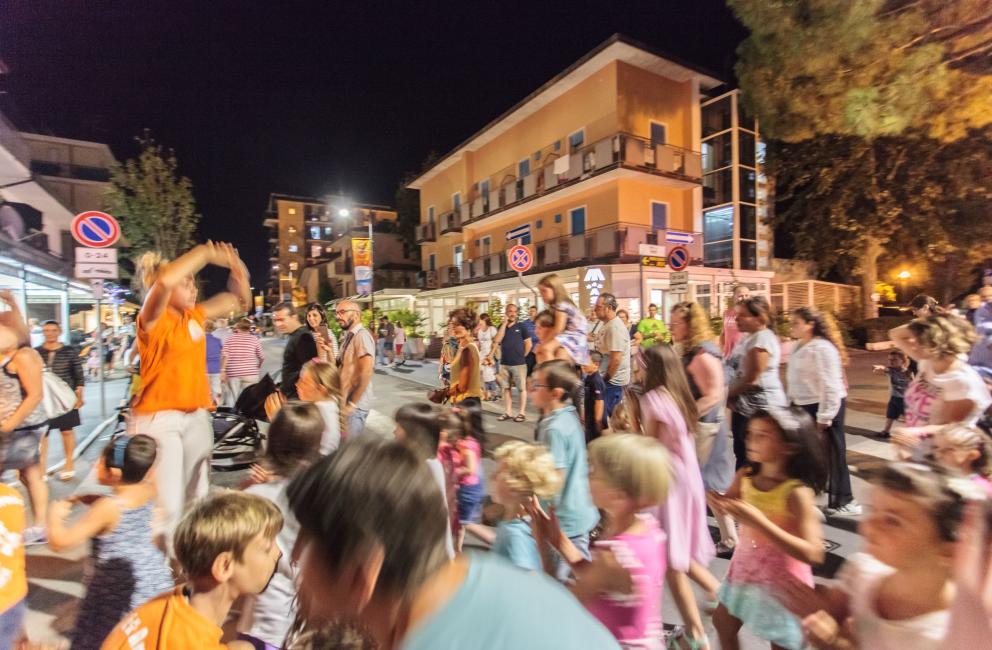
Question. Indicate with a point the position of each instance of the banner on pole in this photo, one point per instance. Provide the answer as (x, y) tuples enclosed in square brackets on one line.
[(361, 254)]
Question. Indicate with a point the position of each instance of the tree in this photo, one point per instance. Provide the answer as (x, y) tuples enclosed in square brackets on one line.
[(867, 68), (847, 201), (154, 204), (325, 290)]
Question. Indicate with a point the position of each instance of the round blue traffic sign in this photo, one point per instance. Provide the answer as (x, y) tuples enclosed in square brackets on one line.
[(95, 229), (678, 258), (520, 258)]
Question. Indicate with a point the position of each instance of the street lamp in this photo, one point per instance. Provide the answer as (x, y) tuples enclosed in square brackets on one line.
[(903, 277), (344, 213)]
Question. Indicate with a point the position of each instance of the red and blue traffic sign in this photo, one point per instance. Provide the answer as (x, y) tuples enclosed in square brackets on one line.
[(678, 258), (520, 258), (95, 229)]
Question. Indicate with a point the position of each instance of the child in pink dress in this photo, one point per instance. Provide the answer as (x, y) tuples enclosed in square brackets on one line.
[(781, 536), (622, 584), (666, 412)]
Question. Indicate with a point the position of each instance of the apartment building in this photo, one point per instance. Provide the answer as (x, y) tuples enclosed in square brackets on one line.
[(612, 162), (310, 239)]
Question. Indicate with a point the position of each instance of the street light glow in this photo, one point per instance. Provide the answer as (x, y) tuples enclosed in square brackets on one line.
[(904, 275), (344, 212)]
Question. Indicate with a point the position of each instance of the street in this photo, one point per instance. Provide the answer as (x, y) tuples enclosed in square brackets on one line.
[(56, 579)]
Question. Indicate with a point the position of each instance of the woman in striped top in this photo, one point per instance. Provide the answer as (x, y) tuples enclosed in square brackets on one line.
[(63, 360), (241, 358)]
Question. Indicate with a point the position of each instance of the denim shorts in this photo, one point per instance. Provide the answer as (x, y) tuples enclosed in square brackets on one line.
[(470, 503), (20, 450)]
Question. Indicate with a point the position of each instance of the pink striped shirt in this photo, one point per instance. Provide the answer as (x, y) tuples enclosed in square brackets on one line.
[(244, 355)]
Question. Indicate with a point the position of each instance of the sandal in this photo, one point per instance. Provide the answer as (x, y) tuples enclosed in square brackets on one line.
[(520, 417), (504, 417), (67, 475)]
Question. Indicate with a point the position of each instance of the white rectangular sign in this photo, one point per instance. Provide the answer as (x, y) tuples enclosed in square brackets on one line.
[(679, 237), (518, 232), (97, 255), (652, 250), (678, 282), (89, 270)]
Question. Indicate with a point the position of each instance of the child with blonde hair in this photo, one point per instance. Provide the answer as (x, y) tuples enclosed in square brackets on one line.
[(967, 450), (571, 342), (622, 585), (319, 382), (524, 470)]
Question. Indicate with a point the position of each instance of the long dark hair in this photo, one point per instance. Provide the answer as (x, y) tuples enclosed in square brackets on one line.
[(664, 368), (807, 462), (825, 327), (317, 308), (758, 307)]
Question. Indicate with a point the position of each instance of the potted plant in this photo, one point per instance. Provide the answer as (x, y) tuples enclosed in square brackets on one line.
[(412, 322)]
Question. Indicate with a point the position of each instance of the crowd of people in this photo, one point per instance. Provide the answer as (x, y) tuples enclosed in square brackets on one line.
[(339, 539)]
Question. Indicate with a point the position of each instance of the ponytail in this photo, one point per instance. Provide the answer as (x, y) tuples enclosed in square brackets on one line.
[(146, 269), (327, 375)]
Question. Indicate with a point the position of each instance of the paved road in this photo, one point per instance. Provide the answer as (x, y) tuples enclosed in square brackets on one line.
[(55, 579)]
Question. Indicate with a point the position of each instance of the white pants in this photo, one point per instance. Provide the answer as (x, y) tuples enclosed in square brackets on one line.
[(237, 384), (216, 388), (182, 467)]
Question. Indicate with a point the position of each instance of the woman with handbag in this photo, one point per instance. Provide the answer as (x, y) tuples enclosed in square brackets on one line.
[(22, 413), (63, 361), (752, 370), (703, 364), (466, 366)]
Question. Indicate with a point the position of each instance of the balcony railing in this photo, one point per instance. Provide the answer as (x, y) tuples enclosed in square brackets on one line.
[(620, 150), (452, 221), (425, 232), (617, 243)]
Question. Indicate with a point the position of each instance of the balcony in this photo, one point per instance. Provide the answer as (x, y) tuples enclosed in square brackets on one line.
[(615, 244), (425, 232), (451, 221), (65, 170), (621, 150), (449, 276), (427, 280)]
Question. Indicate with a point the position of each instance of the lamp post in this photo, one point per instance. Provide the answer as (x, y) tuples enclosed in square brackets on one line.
[(344, 213), (903, 277)]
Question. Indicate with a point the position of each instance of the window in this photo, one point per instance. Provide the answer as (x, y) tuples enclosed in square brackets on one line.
[(430, 214), (314, 232), (658, 133), (487, 242), (748, 190), (659, 215), (537, 225), (523, 168), (746, 154), (328, 231), (718, 224), (577, 139), (557, 218), (291, 211), (316, 250), (577, 218), (291, 230), (720, 255), (537, 156), (431, 262), (716, 116), (458, 255), (293, 266), (557, 145), (717, 152), (717, 188), (749, 225), (293, 248), (484, 189), (749, 255), (456, 200)]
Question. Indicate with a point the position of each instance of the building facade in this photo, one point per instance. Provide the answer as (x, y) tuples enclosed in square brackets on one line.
[(601, 172), (310, 239)]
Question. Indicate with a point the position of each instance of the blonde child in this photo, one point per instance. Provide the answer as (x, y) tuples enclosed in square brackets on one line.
[(524, 470), (966, 450), (781, 536), (897, 593), (571, 342), (622, 586), (126, 568), (319, 382)]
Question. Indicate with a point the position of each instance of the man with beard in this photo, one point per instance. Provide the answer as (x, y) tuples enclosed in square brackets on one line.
[(356, 357)]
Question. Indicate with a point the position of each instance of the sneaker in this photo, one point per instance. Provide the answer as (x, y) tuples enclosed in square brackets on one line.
[(884, 435), (852, 509), (34, 536)]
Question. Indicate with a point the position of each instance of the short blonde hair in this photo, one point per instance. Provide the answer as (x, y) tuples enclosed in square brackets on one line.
[(636, 464), (224, 522), (697, 322), (529, 469), (962, 436), (944, 335)]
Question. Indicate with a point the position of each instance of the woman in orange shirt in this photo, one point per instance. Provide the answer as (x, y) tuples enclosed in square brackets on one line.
[(172, 405)]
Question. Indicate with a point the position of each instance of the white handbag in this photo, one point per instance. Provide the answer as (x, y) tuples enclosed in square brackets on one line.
[(57, 398)]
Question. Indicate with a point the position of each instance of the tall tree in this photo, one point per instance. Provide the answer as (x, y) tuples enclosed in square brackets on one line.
[(154, 204), (867, 68), (851, 96)]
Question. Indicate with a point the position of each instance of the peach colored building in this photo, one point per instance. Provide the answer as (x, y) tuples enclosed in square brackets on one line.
[(614, 162)]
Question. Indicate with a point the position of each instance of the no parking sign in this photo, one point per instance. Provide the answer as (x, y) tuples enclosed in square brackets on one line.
[(95, 229), (520, 258)]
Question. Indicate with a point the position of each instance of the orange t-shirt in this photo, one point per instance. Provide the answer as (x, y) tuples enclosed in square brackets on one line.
[(173, 363), (13, 579), (166, 622)]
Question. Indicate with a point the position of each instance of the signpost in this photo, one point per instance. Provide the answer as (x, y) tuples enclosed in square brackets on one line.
[(652, 250), (678, 282), (678, 258), (97, 231), (656, 262), (521, 259)]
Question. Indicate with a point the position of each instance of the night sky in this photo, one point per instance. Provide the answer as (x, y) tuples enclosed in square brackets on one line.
[(310, 97)]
